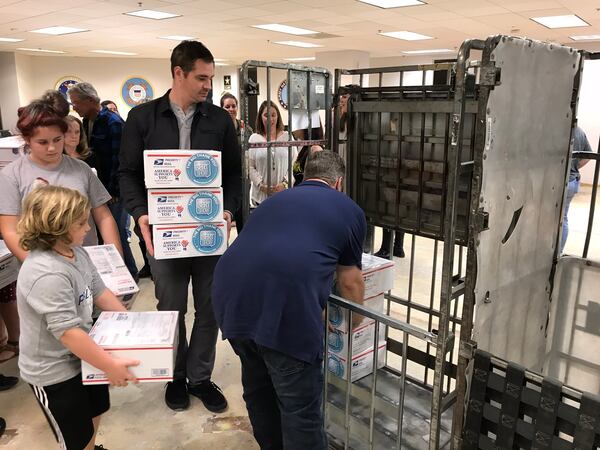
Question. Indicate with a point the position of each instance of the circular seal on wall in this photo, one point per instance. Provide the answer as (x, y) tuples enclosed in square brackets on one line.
[(63, 85), (202, 169), (136, 91), (282, 94), (203, 206), (207, 238)]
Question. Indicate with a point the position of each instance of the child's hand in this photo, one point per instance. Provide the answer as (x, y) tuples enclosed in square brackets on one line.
[(118, 375)]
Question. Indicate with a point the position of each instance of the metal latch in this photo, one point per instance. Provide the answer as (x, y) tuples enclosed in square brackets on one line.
[(481, 221), (489, 75)]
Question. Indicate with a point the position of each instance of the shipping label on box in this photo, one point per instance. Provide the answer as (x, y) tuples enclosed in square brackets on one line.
[(338, 316), (362, 365), (185, 205), (185, 241), (112, 269), (9, 266), (149, 337), (378, 274), (182, 168)]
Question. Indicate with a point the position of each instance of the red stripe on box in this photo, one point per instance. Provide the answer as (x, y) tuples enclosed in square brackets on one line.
[(139, 379), (172, 192), (137, 348), (378, 269)]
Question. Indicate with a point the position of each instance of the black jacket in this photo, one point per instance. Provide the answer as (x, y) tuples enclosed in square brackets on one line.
[(153, 126)]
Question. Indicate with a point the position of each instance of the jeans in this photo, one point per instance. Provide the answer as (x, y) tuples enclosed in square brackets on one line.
[(572, 189), (284, 398), (120, 216)]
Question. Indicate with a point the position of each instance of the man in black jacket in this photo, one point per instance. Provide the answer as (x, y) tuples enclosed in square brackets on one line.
[(182, 119)]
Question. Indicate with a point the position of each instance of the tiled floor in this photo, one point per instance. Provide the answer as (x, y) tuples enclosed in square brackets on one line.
[(139, 418)]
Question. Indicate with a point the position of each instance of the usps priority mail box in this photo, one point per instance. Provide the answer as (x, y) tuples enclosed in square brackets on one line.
[(185, 205), (362, 365), (182, 168), (149, 337), (378, 274), (189, 240)]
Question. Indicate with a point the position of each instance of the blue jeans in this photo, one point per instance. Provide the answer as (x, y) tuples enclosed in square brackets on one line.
[(284, 398), (120, 216), (572, 189)]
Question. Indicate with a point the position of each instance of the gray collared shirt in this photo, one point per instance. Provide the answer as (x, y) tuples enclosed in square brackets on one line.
[(184, 121)]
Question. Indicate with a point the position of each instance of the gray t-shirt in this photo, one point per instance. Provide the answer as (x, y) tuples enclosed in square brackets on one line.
[(184, 121), (53, 295), (22, 176), (580, 144)]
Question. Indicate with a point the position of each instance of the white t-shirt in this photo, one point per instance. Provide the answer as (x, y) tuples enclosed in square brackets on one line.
[(20, 177), (257, 164)]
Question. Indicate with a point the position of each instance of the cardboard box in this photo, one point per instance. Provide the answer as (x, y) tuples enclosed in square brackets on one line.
[(362, 365), (149, 337), (378, 274), (363, 339), (114, 272), (182, 168), (185, 241), (10, 149), (185, 205), (338, 316), (9, 266)]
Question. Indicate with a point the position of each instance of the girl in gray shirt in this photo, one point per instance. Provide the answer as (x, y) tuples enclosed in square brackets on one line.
[(56, 290)]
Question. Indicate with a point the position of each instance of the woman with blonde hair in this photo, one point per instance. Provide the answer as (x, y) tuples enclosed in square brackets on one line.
[(76, 142)]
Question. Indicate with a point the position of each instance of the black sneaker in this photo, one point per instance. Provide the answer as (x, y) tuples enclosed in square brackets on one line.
[(382, 254), (7, 382), (145, 272), (399, 253), (176, 395), (2, 426), (210, 394), (100, 447)]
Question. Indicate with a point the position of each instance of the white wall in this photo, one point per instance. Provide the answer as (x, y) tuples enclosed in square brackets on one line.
[(39, 73), (9, 91), (588, 113)]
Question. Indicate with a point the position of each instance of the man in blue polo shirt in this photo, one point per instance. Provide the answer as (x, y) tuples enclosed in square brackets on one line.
[(269, 292)]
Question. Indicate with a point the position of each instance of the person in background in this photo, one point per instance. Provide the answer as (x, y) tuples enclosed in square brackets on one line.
[(9, 323), (182, 119), (58, 102), (57, 288), (5, 384), (111, 106), (268, 113), (580, 144), (269, 292), (76, 142), (230, 104), (103, 129)]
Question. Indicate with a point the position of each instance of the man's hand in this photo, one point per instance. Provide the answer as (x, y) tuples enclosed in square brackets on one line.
[(144, 223), (228, 218), (118, 373), (279, 187)]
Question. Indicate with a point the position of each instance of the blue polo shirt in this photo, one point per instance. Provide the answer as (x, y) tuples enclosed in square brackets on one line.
[(272, 284)]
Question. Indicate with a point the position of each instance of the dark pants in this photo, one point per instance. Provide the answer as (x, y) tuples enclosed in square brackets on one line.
[(120, 216), (284, 398), (386, 240), (171, 281)]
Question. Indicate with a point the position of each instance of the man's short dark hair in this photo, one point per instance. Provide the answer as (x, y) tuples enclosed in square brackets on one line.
[(324, 165), (187, 53)]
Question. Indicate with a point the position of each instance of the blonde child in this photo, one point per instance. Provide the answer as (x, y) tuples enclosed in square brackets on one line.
[(56, 290)]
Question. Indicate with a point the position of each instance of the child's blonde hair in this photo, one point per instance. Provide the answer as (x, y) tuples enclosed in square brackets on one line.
[(48, 213)]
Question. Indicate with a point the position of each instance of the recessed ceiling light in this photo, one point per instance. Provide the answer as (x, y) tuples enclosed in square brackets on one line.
[(425, 52), (177, 37), (151, 14), (393, 3), (304, 58), (113, 52), (10, 39), (40, 50), (406, 35), (589, 37), (568, 21), (285, 29), (57, 31), (298, 44)]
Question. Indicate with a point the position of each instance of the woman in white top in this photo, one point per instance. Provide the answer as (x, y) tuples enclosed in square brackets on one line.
[(257, 157)]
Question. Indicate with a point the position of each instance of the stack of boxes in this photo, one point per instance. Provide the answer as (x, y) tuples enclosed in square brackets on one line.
[(9, 266), (378, 274), (185, 202)]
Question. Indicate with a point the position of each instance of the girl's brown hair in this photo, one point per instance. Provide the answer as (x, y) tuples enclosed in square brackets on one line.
[(39, 113), (260, 127), (48, 213)]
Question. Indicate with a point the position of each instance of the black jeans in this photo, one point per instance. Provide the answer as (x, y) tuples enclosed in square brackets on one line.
[(284, 398)]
